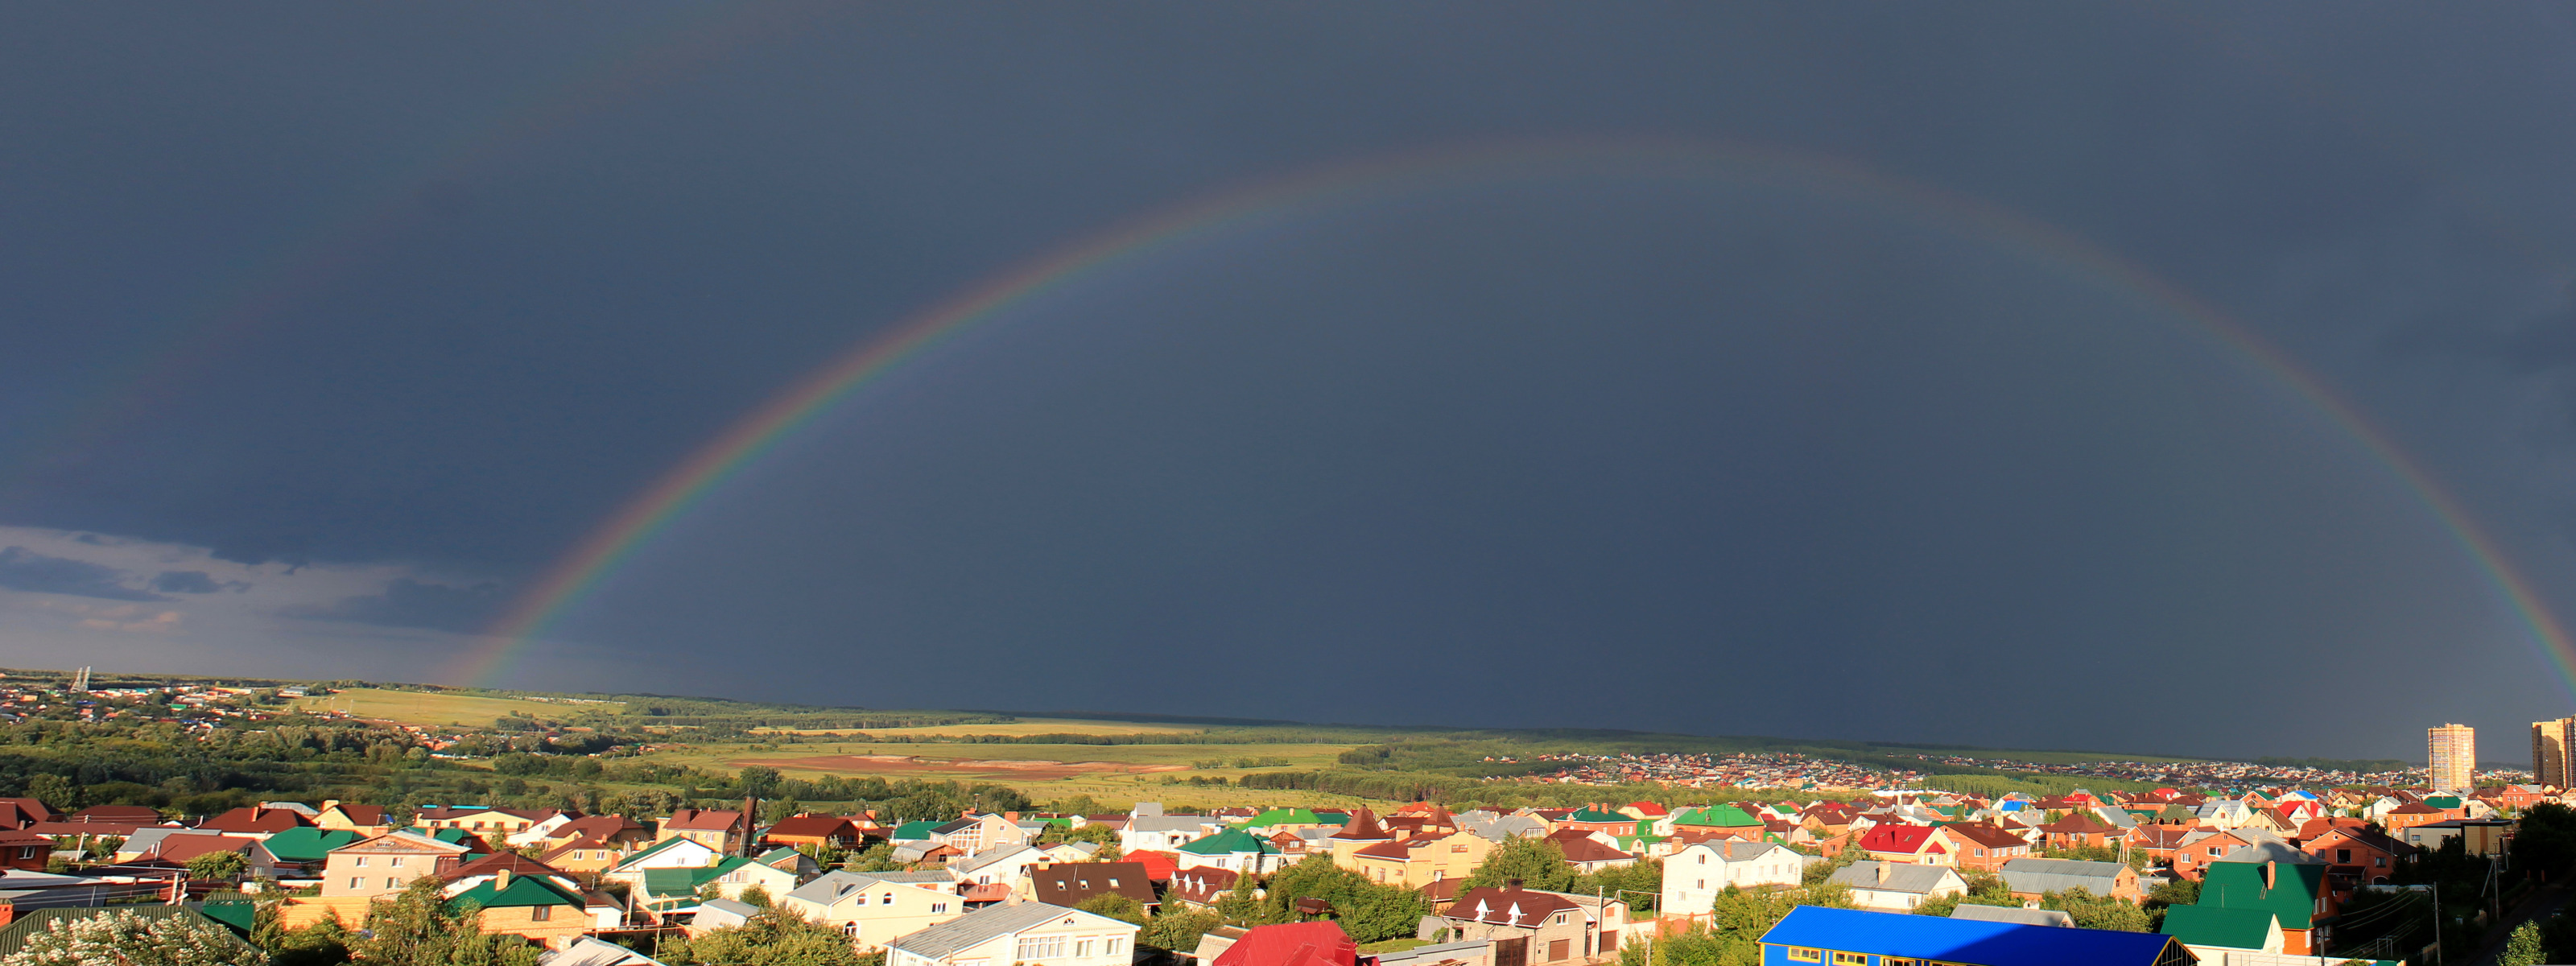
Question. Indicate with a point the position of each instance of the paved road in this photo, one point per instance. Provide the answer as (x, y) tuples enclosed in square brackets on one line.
[(2538, 905)]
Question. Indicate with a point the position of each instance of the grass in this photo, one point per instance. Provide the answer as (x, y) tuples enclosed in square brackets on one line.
[(439, 708), (1024, 726)]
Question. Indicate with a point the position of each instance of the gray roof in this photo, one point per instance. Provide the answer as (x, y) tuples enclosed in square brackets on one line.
[(833, 885), (986, 858), (1738, 850), (743, 910), (1470, 949), (1504, 827), (587, 951), (2027, 917), (1167, 823), (975, 928), (1901, 876), (2059, 875)]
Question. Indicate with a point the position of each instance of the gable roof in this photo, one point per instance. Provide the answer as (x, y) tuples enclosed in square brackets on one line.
[(359, 814), (522, 890), (1716, 816), (1072, 883), (1284, 816), (2027, 917), (991, 922), (914, 831), (256, 820), (1970, 940), (1989, 836), (1901, 876), (308, 844), (658, 848), (813, 826), (703, 820), (1898, 838), (181, 848), (1504, 906), (1584, 849), (1229, 842), (2219, 926), (2239, 885), (2059, 875)]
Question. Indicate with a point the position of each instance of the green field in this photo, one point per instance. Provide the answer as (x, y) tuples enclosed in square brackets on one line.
[(429, 708), (1022, 727)]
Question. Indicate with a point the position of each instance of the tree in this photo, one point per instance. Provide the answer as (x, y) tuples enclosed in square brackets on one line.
[(1178, 929), (1538, 863), (419, 929), (755, 895), (325, 943), (55, 791), (1367, 911), (129, 939), (875, 858), (2523, 947), (1983, 890), (773, 938), (224, 866), (1115, 906), (1240, 906), (2097, 912)]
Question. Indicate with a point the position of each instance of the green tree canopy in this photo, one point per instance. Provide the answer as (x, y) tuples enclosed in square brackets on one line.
[(226, 866), (1368, 911), (773, 938), (1538, 863), (129, 939), (1115, 906)]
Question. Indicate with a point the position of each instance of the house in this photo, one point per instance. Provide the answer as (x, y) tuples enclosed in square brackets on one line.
[(587, 951), (2408, 816), (1201, 887), (723, 830), (1897, 886), (1069, 851), (256, 822), (1233, 849), (2035, 878), (1422, 859), (2296, 894), (1362, 831), (873, 908), (1070, 884), (583, 855), (976, 833), (527, 905), (1719, 822), (676, 889), (2200, 847), (826, 831), (1291, 944), (2480, 836), (671, 853), (2214, 932), (1588, 854), (18, 813), (385, 864), (182, 849), (2082, 830), (1002, 866), (714, 914), (1854, 937), (1695, 875), (1531, 926), (1906, 843), (24, 850), (307, 848), (487, 822), (1029, 932), (614, 831), (1149, 829), (1983, 846), (481, 870)]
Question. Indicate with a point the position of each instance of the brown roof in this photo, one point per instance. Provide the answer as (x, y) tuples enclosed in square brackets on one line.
[(601, 827), (1507, 906), (1202, 884), (2079, 823), (1583, 850), (1989, 836), (181, 848), (23, 812), (2367, 836), (252, 818), (359, 814), (814, 826), (704, 820), (136, 814), (2415, 809), (513, 862), (1401, 849), (1362, 827), (1070, 883)]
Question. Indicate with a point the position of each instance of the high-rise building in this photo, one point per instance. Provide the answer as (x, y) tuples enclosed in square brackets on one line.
[(2452, 751), (2550, 743)]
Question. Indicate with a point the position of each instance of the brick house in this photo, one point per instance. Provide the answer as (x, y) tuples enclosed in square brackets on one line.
[(1983, 847), (1918, 844), (385, 864), (1529, 926)]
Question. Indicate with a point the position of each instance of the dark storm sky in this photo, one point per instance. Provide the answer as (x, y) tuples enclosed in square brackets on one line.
[(324, 330)]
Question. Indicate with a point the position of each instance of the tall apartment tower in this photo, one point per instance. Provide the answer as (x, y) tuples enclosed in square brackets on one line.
[(2452, 750), (2550, 743)]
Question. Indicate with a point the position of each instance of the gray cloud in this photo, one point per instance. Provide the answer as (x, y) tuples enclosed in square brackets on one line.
[(193, 582), (22, 569), (411, 603)]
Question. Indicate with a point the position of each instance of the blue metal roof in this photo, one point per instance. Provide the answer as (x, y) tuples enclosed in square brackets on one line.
[(1968, 941)]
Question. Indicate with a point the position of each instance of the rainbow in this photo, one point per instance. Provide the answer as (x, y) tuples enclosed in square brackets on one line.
[(581, 570)]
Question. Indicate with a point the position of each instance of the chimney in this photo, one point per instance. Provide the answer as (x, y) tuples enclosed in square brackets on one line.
[(1883, 869), (1010, 816), (8, 912), (2271, 873), (501, 881)]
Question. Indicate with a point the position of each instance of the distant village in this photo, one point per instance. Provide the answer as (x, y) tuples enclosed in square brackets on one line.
[(2272, 865)]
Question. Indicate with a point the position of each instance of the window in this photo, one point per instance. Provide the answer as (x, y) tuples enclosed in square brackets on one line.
[(938, 907), (1082, 948), (1112, 948), (1559, 920), (1040, 947), (2343, 856), (396, 861), (1802, 955), (849, 929), (362, 862), (1703, 859), (1699, 883), (357, 883), (2213, 851), (1851, 959), (392, 883), (540, 913)]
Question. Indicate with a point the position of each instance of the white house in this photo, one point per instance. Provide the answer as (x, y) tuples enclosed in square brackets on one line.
[(1695, 875), (1898, 886), (1030, 932)]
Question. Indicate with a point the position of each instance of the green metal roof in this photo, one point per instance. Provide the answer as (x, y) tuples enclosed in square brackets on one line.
[(2239, 885), (914, 831), (2219, 926), (2442, 801), (1229, 842), (13, 937), (307, 844), (1284, 816), (1589, 815), (1717, 816), (524, 890)]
